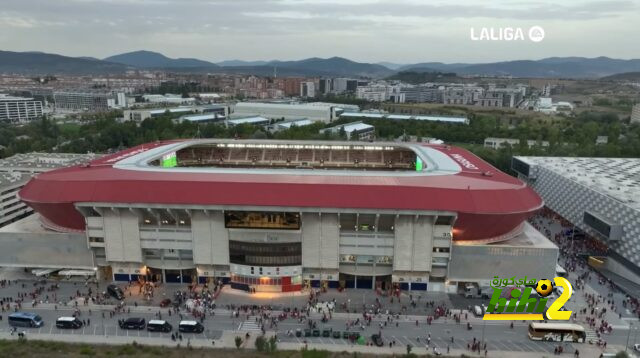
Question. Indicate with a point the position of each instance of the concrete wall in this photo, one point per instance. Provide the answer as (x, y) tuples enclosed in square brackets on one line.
[(320, 241), (122, 236), (413, 243), (210, 238), (483, 262), (46, 250)]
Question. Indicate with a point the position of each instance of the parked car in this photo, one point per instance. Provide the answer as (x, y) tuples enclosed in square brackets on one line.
[(157, 325), (132, 323), (190, 327), (68, 322), (377, 340), (115, 292)]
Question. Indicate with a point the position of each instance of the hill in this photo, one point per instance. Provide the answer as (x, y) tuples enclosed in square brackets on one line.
[(149, 59), (626, 76), (334, 66), (239, 63), (564, 67), (38, 63), (416, 77)]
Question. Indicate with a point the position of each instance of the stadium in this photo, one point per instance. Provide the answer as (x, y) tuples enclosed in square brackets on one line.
[(280, 215)]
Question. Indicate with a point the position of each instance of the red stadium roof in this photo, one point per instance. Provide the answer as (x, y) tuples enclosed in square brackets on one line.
[(477, 191)]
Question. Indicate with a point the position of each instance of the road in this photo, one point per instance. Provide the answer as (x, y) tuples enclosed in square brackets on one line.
[(497, 335)]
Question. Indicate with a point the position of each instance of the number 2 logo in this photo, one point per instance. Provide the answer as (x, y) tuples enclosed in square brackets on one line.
[(554, 313)]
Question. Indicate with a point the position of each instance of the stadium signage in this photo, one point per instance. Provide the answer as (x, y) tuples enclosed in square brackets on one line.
[(499, 309), (464, 161)]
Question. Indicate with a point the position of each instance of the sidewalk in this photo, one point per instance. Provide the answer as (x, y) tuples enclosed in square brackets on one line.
[(228, 341)]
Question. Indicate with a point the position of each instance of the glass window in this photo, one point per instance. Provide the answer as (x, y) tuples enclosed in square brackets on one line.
[(262, 220), (444, 220)]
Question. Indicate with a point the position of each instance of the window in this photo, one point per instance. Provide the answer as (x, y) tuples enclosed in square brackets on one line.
[(262, 220), (263, 254), (96, 239), (440, 249), (444, 220)]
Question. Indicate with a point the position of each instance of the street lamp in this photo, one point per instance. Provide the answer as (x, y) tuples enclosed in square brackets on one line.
[(484, 324), (626, 347), (629, 336)]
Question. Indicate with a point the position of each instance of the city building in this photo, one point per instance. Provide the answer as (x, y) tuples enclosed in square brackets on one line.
[(547, 106), (284, 125), (168, 98), (635, 113), (599, 196), (15, 172), (307, 89), (255, 120), (82, 101), (497, 143), (139, 115), (401, 117), (19, 109), (381, 92), (422, 94), (500, 97), (465, 95), (316, 111), (354, 130), (342, 85), (325, 86)]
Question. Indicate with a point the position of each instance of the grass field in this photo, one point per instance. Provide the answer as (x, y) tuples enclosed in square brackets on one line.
[(50, 349)]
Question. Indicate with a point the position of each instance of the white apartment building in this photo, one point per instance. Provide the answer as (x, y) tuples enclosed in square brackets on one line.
[(19, 109)]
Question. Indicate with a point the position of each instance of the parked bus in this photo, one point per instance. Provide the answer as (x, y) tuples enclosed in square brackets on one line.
[(24, 319), (560, 332)]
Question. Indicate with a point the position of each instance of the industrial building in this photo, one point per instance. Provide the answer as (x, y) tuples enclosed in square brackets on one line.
[(316, 111), (19, 109), (82, 101), (281, 215), (497, 143), (599, 196), (16, 171), (354, 130), (635, 113), (139, 115)]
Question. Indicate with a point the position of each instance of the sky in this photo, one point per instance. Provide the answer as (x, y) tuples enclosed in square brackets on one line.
[(399, 31)]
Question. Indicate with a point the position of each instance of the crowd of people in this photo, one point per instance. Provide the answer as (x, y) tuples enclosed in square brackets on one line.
[(573, 257)]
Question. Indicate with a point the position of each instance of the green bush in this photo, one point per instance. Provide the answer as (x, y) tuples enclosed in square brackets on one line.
[(261, 344)]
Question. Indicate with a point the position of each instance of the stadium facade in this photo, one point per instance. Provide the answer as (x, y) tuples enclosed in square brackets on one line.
[(279, 215)]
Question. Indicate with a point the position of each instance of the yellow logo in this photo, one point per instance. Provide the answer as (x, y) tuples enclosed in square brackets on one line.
[(521, 306)]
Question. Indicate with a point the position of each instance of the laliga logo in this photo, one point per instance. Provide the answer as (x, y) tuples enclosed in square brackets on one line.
[(499, 309), (535, 33)]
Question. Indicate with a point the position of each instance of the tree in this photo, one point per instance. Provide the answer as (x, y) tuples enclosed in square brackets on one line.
[(238, 341), (273, 344), (261, 344)]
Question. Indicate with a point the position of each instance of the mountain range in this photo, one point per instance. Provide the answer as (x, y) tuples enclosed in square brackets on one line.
[(563, 67)]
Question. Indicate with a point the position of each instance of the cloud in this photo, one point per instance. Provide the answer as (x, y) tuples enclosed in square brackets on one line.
[(15, 20), (401, 30), (293, 15)]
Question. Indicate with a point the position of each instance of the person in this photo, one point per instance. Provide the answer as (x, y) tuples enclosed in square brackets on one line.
[(576, 354)]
